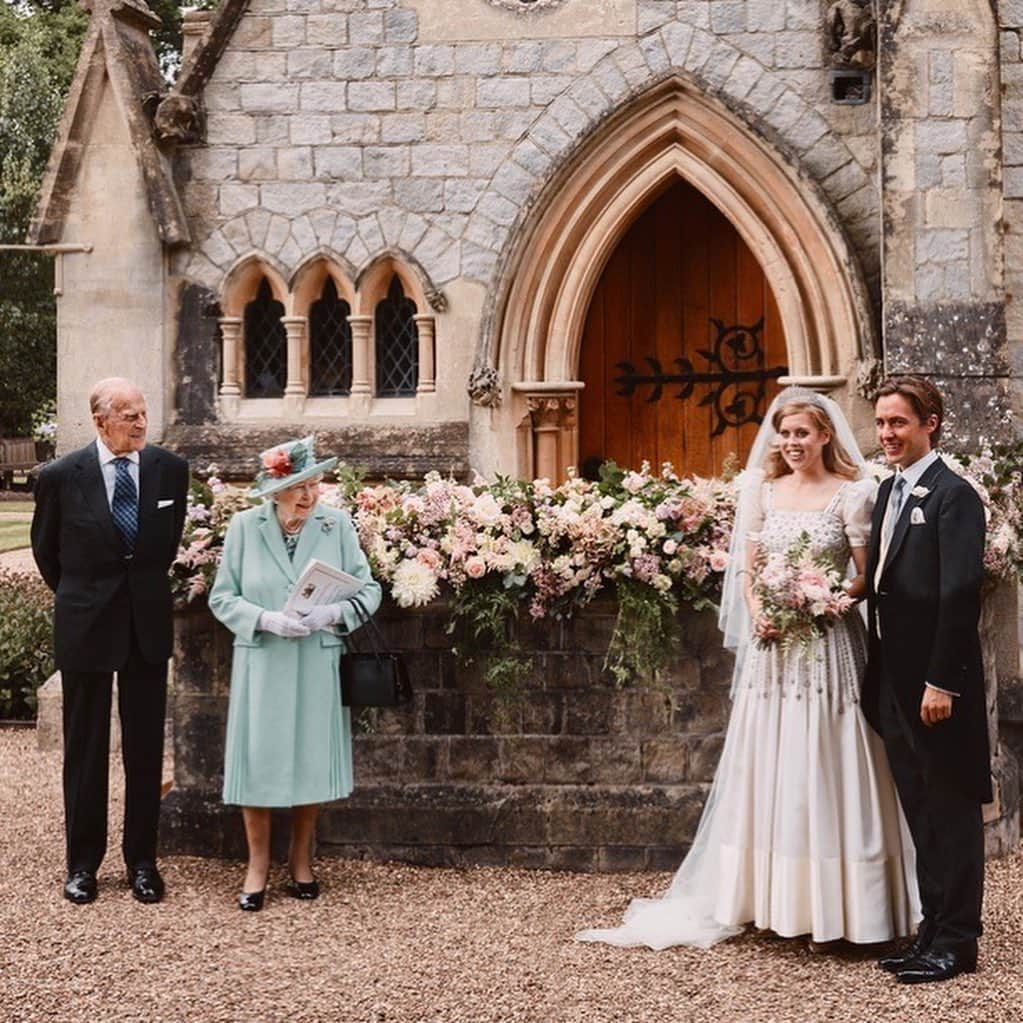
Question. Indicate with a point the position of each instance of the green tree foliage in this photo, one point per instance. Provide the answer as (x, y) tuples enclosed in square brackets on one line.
[(38, 51)]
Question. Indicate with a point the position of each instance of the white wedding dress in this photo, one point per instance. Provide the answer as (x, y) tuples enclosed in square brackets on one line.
[(802, 832)]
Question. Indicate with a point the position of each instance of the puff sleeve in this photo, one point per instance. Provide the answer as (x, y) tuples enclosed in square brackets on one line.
[(753, 513), (857, 508)]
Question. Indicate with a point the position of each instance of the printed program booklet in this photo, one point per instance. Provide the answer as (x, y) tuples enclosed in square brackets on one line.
[(320, 584)]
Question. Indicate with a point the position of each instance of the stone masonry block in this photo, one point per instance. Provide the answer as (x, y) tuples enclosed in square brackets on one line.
[(434, 61), (416, 95), (513, 124), (253, 33), (234, 198), (324, 97), (277, 233), (214, 163), (355, 128), (288, 30), (677, 39), (366, 28), (402, 128), (590, 51), (478, 59), (291, 198), (327, 30), (425, 195), (609, 78), (615, 760), (463, 195), (522, 56), (303, 233), (394, 61), (309, 129), (654, 53), (269, 98), (309, 63), (386, 161), (744, 75), (942, 246), (950, 208), (545, 88), (652, 14), (440, 161), (557, 55), (295, 163), (503, 92), (401, 26), (765, 15), (728, 16), (332, 162), (354, 63), (371, 96), (798, 50), (257, 164), (665, 760), (1013, 183), (944, 136)]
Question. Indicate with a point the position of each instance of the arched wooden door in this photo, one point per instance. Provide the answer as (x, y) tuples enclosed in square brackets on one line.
[(683, 343)]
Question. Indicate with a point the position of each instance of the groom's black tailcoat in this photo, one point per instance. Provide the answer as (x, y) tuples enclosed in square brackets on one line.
[(927, 605), (112, 613), (923, 617)]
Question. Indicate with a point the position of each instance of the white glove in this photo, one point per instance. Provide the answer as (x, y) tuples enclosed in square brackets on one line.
[(322, 617), (280, 623)]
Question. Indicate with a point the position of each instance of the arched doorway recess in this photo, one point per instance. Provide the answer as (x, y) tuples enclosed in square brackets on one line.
[(672, 132)]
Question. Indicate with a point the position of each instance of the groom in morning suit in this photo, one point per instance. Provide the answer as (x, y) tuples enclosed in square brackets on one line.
[(107, 523), (923, 691)]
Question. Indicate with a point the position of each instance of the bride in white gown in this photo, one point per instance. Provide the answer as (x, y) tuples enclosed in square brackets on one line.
[(802, 832)]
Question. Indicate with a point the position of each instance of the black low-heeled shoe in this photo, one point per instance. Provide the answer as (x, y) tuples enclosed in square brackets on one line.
[(251, 902), (306, 890)]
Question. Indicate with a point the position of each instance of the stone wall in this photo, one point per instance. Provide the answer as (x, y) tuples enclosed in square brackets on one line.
[(579, 774)]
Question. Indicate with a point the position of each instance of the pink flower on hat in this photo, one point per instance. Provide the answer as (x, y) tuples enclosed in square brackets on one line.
[(277, 463)]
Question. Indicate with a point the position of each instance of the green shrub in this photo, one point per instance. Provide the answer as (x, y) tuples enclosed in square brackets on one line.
[(26, 642)]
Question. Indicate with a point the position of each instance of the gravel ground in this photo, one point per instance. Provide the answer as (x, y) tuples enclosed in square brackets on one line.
[(387, 942), (20, 560)]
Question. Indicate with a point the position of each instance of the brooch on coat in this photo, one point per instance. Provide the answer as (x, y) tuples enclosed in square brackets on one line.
[(327, 525)]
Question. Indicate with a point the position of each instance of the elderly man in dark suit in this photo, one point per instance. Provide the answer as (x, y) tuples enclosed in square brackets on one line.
[(924, 686), (107, 524)]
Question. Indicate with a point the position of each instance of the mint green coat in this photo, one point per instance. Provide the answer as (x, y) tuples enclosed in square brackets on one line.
[(289, 740)]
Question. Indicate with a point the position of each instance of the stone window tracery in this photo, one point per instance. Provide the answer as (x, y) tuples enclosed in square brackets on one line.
[(396, 337), (265, 345), (330, 344)]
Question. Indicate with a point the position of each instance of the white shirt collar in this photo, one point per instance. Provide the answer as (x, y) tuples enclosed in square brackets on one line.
[(106, 455), (912, 473)]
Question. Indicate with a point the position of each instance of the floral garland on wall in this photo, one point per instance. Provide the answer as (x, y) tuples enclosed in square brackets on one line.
[(510, 551)]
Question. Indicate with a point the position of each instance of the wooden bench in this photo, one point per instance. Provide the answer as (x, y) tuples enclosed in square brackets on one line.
[(17, 458)]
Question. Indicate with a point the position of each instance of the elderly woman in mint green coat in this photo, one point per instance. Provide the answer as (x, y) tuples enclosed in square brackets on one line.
[(289, 739)]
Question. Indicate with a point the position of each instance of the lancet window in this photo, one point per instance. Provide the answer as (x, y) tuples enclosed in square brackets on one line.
[(266, 346), (396, 336), (330, 344)]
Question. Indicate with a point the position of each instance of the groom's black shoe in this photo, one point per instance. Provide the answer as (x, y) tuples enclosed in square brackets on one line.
[(939, 964), (921, 943)]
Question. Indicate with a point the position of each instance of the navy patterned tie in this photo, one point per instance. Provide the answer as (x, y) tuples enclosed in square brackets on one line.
[(124, 507), (895, 507)]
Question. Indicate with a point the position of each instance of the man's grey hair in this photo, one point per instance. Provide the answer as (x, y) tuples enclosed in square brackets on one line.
[(105, 393)]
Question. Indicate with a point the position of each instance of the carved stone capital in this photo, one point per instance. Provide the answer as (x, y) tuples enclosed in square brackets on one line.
[(552, 411)]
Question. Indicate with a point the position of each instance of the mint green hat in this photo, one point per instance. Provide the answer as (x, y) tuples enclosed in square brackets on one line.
[(286, 464)]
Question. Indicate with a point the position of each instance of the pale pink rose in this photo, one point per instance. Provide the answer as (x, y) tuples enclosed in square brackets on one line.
[(718, 560), (475, 567), (429, 557)]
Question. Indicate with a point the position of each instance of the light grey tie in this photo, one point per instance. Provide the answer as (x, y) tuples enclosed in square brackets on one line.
[(894, 508)]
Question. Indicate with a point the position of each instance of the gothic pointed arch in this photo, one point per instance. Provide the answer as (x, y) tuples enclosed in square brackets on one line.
[(673, 131)]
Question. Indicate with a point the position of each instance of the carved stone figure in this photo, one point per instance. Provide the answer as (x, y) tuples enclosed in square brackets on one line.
[(851, 28), (179, 119)]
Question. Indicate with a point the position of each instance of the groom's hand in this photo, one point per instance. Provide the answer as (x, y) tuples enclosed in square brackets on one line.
[(935, 706)]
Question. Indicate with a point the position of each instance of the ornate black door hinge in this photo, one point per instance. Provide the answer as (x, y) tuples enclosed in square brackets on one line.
[(737, 377)]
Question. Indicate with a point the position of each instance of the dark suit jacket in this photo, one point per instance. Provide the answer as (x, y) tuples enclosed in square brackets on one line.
[(100, 591), (928, 605)]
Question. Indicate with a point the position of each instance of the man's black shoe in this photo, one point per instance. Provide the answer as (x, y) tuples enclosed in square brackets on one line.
[(921, 943), (938, 964), (80, 887), (146, 884)]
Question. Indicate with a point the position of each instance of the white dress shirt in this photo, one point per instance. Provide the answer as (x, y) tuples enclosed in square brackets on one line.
[(109, 470)]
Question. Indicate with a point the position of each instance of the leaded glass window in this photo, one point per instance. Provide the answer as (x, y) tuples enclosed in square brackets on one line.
[(266, 345), (330, 344), (397, 344)]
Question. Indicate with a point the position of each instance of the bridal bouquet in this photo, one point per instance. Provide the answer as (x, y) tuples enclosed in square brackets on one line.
[(801, 596)]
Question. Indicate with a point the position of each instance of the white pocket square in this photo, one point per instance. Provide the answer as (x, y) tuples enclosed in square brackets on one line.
[(164, 504), (916, 517)]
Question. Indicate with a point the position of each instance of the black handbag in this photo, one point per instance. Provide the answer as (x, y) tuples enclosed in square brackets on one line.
[(373, 677)]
